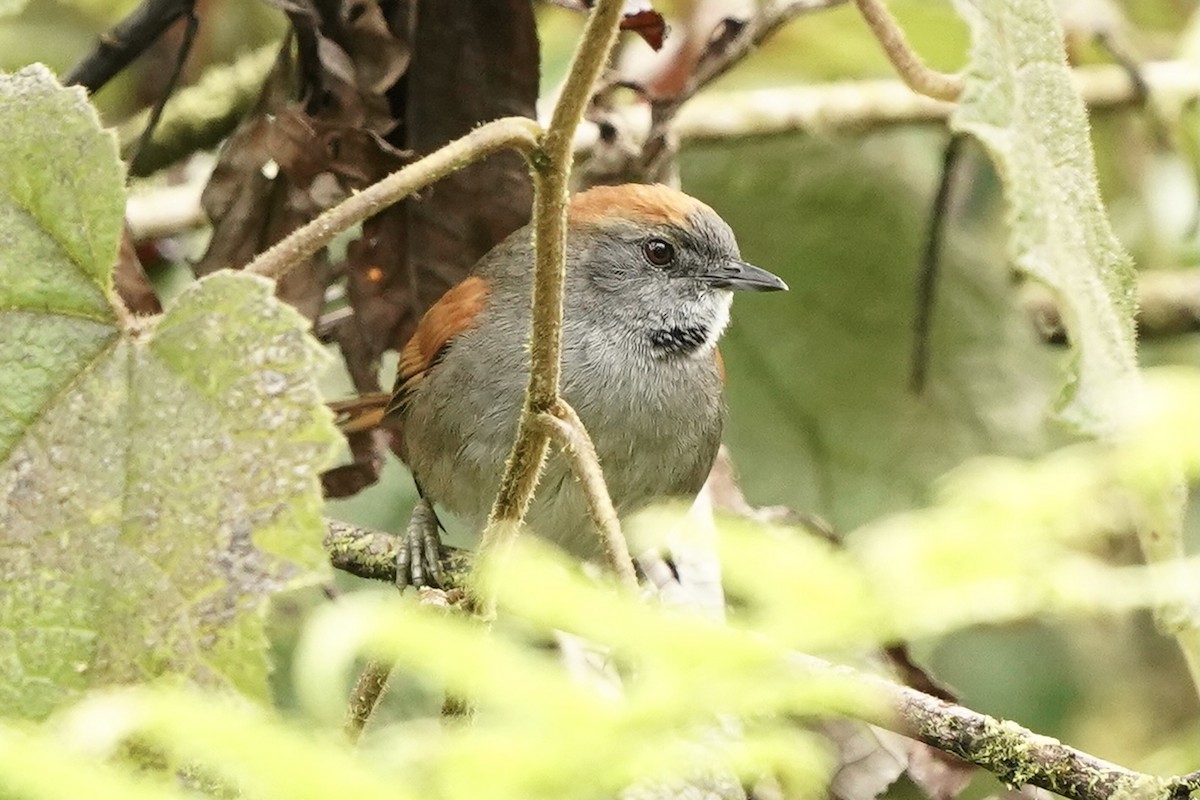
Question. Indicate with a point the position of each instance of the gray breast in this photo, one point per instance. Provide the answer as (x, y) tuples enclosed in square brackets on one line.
[(656, 422)]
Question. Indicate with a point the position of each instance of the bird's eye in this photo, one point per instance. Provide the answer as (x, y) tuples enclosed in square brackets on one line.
[(658, 252)]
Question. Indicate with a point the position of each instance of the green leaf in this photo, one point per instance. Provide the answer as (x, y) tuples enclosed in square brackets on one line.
[(61, 200), (158, 477), (821, 416), (1020, 102), (11, 7)]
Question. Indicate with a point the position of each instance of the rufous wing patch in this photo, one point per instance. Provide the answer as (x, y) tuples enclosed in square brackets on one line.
[(452, 314), (648, 204)]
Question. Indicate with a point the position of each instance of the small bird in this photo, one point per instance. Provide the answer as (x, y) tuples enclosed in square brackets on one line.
[(649, 280)]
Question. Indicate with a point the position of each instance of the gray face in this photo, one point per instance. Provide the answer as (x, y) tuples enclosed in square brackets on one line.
[(669, 286)]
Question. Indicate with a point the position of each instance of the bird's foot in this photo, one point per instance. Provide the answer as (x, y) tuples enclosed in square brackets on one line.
[(418, 564)]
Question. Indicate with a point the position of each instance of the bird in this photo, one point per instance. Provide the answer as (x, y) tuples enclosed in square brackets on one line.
[(649, 282)]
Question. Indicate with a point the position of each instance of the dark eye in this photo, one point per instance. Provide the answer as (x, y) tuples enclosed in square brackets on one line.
[(658, 252)]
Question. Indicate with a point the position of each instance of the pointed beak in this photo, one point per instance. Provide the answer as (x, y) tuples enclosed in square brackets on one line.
[(740, 276)]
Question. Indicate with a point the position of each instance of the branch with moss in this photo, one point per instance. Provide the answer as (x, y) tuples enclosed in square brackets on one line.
[(1012, 753)]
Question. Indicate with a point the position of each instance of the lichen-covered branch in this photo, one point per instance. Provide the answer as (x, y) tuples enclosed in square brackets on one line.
[(1012, 753), (1019, 756), (372, 554)]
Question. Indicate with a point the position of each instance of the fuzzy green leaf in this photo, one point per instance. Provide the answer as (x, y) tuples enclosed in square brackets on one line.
[(821, 416), (1020, 102), (61, 200), (158, 479), (10, 7)]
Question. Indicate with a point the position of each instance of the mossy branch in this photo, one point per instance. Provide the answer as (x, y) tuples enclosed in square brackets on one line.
[(1009, 751)]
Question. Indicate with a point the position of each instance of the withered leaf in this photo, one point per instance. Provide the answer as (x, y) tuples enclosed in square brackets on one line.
[(130, 281), (471, 63), (638, 16), (315, 135)]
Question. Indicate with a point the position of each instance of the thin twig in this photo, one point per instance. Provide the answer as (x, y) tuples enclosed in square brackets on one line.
[(715, 62), (190, 26), (368, 689), (565, 428), (909, 65), (198, 116), (927, 276), (518, 133), (127, 40), (731, 42), (552, 168)]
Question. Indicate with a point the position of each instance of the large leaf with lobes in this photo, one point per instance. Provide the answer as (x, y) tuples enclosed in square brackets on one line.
[(821, 414), (1021, 103), (158, 476)]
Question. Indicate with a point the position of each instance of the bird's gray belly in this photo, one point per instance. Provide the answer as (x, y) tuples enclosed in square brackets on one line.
[(656, 440)]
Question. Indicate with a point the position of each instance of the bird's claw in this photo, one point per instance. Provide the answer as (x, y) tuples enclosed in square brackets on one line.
[(418, 564)]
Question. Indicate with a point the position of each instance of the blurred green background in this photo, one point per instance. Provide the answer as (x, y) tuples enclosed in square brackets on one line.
[(821, 417)]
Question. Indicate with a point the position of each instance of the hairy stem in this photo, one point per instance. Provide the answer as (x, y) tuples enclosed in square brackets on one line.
[(518, 133), (368, 689), (565, 428), (909, 65), (552, 168)]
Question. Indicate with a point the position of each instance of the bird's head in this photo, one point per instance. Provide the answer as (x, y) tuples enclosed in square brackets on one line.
[(658, 261)]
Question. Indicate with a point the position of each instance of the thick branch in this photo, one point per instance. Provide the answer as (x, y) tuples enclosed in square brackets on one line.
[(552, 168), (519, 133), (1012, 753), (127, 40)]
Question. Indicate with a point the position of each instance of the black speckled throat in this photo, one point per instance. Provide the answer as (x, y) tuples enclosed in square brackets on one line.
[(677, 341)]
